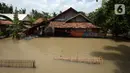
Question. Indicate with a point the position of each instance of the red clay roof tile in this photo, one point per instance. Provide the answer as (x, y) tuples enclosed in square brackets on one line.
[(72, 25), (5, 22)]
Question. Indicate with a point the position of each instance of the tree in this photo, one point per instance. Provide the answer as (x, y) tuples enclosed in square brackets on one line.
[(31, 19), (4, 8), (107, 19), (11, 9), (22, 11), (16, 27), (119, 23), (54, 14), (100, 19), (35, 14), (46, 15), (60, 12)]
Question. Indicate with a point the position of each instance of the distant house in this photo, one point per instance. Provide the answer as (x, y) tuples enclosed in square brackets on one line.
[(73, 23), (4, 24), (7, 19)]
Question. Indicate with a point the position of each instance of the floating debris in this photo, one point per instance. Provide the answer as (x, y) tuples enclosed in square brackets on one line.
[(31, 37)]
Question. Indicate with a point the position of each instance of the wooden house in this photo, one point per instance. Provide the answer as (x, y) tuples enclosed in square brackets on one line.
[(73, 23)]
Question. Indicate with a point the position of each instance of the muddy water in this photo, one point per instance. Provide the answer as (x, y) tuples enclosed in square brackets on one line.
[(43, 50)]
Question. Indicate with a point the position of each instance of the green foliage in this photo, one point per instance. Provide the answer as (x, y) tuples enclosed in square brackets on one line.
[(46, 15), (4, 8), (54, 14), (60, 12), (1, 33), (107, 19), (35, 14), (32, 19), (22, 11), (16, 27)]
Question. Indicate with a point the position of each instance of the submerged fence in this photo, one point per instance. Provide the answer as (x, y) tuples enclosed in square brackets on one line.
[(98, 60), (18, 63)]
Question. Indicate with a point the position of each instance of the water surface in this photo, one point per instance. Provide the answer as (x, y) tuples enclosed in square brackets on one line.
[(43, 50)]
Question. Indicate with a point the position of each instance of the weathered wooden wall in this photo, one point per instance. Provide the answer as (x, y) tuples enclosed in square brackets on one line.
[(66, 16)]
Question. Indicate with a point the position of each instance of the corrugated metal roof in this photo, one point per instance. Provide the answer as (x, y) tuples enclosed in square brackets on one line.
[(20, 16), (1, 18)]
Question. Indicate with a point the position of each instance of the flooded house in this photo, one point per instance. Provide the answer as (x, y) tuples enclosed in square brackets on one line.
[(73, 23), (6, 20), (37, 27), (4, 24)]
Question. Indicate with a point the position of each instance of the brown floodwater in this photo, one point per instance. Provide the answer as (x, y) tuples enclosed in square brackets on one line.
[(43, 50)]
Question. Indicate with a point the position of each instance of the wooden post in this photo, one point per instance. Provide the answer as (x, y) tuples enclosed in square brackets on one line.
[(34, 64), (77, 57)]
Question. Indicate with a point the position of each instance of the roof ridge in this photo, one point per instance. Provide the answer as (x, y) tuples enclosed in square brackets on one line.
[(78, 15), (63, 12)]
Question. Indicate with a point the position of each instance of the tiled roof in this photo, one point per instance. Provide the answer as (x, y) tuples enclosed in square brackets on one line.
[(72, 25), (5, 22), (63, 13)]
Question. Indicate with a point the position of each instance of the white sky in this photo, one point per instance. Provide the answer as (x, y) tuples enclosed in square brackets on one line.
[(55, 5)]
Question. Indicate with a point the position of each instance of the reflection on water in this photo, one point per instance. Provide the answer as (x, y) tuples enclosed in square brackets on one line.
[(43, 50)]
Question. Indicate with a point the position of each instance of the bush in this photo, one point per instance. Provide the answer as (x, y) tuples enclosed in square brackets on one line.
[(1, 33)]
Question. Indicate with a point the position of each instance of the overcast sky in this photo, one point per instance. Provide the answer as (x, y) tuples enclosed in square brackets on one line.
[(55, 5)]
